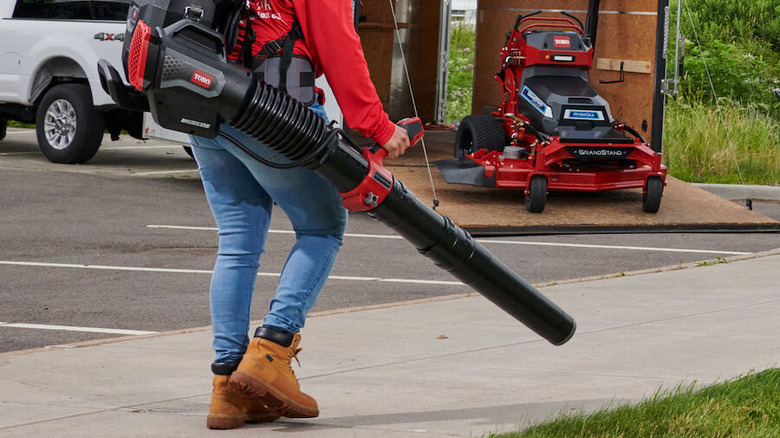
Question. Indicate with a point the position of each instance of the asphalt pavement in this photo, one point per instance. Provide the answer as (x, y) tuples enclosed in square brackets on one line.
[(125, 244)]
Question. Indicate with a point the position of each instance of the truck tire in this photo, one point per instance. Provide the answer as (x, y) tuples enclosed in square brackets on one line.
[(479, 132), (3, 126), (68, 127)]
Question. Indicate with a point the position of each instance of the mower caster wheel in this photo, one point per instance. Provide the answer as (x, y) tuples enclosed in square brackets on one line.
[(651, 199), (536, 194)]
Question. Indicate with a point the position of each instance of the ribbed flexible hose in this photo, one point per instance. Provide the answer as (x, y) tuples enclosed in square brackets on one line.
[(283, 124)]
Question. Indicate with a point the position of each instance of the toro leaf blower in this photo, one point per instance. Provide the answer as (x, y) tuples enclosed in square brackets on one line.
[(175, 57)]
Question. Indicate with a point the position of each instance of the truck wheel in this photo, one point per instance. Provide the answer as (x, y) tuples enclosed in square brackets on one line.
[(3, 126), (651, 200), (536, 194), (478, 132), (68, 127)]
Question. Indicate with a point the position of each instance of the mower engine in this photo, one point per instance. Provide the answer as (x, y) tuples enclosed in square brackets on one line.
[(552, 131)]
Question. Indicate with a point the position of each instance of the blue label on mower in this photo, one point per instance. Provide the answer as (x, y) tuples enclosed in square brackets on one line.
[(536, 102), (572, 114)]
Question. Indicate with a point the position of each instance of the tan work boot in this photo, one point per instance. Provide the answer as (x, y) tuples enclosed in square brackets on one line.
[(230, 409), (265, 372)]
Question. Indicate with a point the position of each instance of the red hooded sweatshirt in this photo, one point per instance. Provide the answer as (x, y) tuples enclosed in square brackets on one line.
[(333, 46)]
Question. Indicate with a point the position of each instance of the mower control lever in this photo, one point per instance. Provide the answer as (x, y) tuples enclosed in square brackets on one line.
[(522, 17)]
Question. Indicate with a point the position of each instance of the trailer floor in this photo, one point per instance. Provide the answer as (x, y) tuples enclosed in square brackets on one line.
[(484, 211)]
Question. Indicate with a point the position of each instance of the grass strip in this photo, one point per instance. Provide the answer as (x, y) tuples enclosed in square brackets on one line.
[(746, 407)]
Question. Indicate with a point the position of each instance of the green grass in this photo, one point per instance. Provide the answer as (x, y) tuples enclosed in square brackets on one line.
[(15, 124), (696, 147), (748, 407), (740, 43), (460, 80)]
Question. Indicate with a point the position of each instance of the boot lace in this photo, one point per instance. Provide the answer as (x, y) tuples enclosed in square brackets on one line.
[(293, 354)]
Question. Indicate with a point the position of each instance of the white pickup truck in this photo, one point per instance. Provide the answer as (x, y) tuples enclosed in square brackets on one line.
[(48, 73), (49, 50)]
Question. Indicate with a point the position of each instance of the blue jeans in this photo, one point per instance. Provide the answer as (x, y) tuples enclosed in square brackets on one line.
[(241, 192)]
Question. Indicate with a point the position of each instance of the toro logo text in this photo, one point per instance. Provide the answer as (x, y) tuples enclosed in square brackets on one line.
[(561, 41), (202, 79)]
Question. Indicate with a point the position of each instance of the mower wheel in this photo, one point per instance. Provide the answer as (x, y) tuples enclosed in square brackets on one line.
[(651, 200), (478, 132), (536, 194)]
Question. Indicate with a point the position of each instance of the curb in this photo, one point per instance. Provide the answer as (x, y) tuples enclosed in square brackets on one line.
[(738, 191), (669, 268)]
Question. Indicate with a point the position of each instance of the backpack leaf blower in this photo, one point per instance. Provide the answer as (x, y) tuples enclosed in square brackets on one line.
[(175, 58)]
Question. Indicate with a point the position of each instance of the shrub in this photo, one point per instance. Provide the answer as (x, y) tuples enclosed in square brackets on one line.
[(740, 43)]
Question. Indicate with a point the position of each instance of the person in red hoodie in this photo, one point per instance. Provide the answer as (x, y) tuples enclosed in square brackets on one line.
[(288, 42)]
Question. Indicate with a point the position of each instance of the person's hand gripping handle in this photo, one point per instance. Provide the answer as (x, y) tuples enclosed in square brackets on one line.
[(407, 133)]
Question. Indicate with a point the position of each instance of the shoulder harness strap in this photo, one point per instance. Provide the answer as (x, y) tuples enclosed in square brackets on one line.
[(245, 55), (284, 46)]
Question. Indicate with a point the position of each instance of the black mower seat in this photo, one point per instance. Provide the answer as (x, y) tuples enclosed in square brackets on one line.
[(575, 112), (547, 86)]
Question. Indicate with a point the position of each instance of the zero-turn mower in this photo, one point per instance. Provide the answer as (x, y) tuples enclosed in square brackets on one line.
[(552, 131)]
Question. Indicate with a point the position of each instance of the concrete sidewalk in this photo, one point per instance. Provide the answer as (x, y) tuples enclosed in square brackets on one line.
[(741, 191), (456, 367)]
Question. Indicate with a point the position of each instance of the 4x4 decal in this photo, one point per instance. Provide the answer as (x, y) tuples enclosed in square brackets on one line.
[(105, 36)]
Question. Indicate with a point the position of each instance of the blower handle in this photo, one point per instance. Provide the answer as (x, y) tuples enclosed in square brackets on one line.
[(414, 128), (415, 131), (378, 182)]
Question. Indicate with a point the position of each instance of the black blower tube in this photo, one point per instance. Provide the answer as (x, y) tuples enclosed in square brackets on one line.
[(176, 62)]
